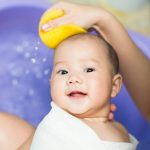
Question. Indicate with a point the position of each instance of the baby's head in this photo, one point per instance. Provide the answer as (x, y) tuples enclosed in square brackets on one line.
[(85, 76)]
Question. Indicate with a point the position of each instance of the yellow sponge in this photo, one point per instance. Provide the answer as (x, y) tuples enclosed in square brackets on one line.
[(57, 34)]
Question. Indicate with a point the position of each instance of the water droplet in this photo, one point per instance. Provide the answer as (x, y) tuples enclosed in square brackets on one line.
[(46, 71), (36, 48), (33, 60), (14, 82), (31, 92), (27, 55), (19, 49), (18, 71), (44, 59)]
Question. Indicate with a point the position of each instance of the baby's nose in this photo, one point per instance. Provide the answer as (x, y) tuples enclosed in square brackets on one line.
[(73, 79)]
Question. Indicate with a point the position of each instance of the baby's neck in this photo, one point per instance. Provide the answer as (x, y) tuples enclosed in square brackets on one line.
[(96, 120)]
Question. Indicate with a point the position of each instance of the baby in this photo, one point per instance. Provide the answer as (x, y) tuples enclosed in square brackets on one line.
[(84, 79)]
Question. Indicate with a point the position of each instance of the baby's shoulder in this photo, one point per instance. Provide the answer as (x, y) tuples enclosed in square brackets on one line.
[(118, 132)]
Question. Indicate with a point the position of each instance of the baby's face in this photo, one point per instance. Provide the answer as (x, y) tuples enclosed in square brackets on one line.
[(82, 78)]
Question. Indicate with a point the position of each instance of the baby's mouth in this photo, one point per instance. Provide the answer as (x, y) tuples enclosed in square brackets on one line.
[(77, 94)]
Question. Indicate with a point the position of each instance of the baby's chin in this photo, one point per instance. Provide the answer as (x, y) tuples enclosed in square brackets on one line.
[(76, 113), (80, 113), (79, 109)]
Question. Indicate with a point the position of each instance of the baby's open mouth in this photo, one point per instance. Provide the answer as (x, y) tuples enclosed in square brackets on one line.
[(77, 94)]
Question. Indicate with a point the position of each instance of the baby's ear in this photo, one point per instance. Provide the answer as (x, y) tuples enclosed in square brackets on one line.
[(116, 85)]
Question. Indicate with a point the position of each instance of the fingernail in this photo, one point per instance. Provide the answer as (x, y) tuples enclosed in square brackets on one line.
[(45, 27)]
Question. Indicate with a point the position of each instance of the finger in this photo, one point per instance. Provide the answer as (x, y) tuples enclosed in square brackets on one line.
[(113, 107), (100, 32), (48, 25), (111, 116), (54, 23)]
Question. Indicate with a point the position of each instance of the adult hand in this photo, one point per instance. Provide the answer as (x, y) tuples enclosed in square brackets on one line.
[(111, 113), (83, 15)]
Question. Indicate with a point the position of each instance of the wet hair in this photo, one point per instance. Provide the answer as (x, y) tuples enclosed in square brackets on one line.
[(111, 53)]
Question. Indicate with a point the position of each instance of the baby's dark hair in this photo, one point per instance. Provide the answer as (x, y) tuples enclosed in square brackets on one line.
[(113, 57), (111, 53)]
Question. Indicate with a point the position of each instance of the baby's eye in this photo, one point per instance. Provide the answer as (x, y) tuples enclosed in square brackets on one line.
[(89, 69), (62, 72)]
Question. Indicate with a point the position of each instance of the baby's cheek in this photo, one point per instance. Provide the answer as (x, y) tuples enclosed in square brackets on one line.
[(54, 86), (57, 86)]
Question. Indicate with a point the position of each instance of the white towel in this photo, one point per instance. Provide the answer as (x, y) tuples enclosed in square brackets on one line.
[(61, 131)]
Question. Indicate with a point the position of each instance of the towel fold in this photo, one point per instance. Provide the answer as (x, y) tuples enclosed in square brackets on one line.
[(61, 131)]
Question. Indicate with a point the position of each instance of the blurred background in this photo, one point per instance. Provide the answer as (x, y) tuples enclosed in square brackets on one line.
[(26, 64)]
